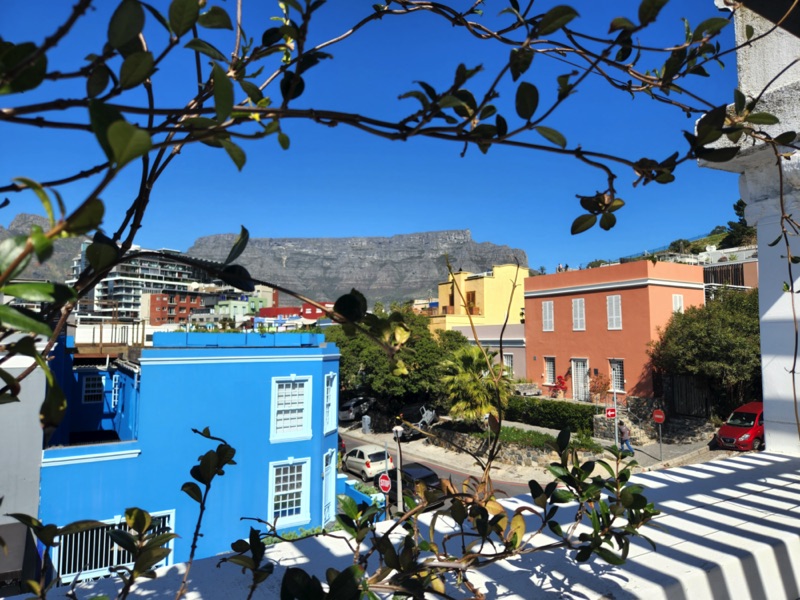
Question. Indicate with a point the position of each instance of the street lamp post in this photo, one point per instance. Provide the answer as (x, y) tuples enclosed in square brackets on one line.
[(614, 393), (398, 434)]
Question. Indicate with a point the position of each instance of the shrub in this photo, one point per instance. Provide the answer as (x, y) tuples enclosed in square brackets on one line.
[(553, 414)]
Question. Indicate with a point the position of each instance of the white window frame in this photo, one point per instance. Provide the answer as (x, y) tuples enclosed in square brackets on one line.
[(549, 361), (677, 303), (331, 401), (548, 321), (93, 388), (578, 314), (614, 311), (98, 540), (620, 379), (303, 517), (303, 431), (508, 363)]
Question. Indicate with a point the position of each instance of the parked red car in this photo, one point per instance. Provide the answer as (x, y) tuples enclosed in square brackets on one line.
[(744, 429)]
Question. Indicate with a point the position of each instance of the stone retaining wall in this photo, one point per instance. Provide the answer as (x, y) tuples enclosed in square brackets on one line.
[(508, 453)]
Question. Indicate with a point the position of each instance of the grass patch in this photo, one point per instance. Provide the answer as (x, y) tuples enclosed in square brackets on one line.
[(544, 441)]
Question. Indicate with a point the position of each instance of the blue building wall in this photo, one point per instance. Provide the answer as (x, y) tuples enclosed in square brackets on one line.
[(221, 381)]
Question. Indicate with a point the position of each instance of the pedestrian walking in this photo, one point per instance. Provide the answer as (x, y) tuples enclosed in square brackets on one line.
[(625, 438)]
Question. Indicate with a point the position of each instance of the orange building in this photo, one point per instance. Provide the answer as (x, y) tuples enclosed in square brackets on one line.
[(581, 324)]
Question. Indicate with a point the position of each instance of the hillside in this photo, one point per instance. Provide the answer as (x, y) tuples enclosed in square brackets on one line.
[(384, 269)]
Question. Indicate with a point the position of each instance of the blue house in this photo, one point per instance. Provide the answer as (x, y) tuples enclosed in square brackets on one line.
[(127, 440)]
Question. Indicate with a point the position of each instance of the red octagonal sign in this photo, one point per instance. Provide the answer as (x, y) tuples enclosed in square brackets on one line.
[(611, 413), (659, 416), (385, 483)]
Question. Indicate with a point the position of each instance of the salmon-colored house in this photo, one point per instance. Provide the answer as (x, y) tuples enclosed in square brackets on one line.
[(580, 324)]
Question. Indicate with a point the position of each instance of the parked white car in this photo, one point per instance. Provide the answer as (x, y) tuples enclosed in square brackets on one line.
[(367, 461)]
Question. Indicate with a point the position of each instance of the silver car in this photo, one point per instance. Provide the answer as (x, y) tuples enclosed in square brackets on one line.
[(367, 461), (355, 408)]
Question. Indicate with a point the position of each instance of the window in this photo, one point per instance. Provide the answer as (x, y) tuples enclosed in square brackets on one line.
[(508, 362), (547, 315), (677, 303), (614, 310), (291, 408), (331, 389), (289, 493), (617, 375), (578, 315), (93, 389), (89, 554), (549, 370)]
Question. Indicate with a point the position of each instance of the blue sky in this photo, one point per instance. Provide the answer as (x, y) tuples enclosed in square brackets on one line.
[(338, 182)]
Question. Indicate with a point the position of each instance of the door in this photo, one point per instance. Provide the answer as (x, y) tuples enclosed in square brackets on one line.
[(328, 487), (580, 379)]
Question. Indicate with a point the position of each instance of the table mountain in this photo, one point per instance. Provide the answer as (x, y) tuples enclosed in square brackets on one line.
[(386, 269)]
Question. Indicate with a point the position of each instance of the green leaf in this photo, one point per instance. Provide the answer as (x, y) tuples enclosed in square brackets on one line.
[(127, 142), (527, 100), (39, 291), (215, 18), (223, 93), (53, 409), (14, 318), (37, 189), (149, 558), (157, 15), (607, 221), (551, 135), (520, 61), (352, 306), (97, 81), (238, 246), (101, 116), (137, 519), (193, 491), (271, 36), (126, 23), (709, 27), (556, 18), (621, 23), (79, 526), (583, 223), (347, 584), (202, 47), (717, 155), (86, 218), (252, 90), (238, 277), (563, 439), (748, 31), (235, 152), (123, 539), (135, 69), (762, 118), (649, 9), (561, 496), (27, 520), (183, 15), (13, 387), (787, 137), (10, 250), (709, 127), (242, 561), (28, 77), (609, 556), (102, 255), (292, 86), (283, 140)]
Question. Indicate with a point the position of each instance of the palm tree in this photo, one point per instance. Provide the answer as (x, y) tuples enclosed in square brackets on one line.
[(474, 383)]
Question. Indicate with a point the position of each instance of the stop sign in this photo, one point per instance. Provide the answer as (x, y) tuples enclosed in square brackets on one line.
[(385, 483), (611, 413), (659, 416)]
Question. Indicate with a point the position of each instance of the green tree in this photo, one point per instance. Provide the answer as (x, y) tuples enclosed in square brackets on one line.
[(366, 369), (473, 387), (739, 233), (719, 344)]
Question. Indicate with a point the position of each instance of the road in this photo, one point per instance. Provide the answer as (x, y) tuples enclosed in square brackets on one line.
[(510, 488)]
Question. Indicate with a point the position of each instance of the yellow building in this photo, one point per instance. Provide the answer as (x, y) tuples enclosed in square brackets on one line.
[(484, 297)]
